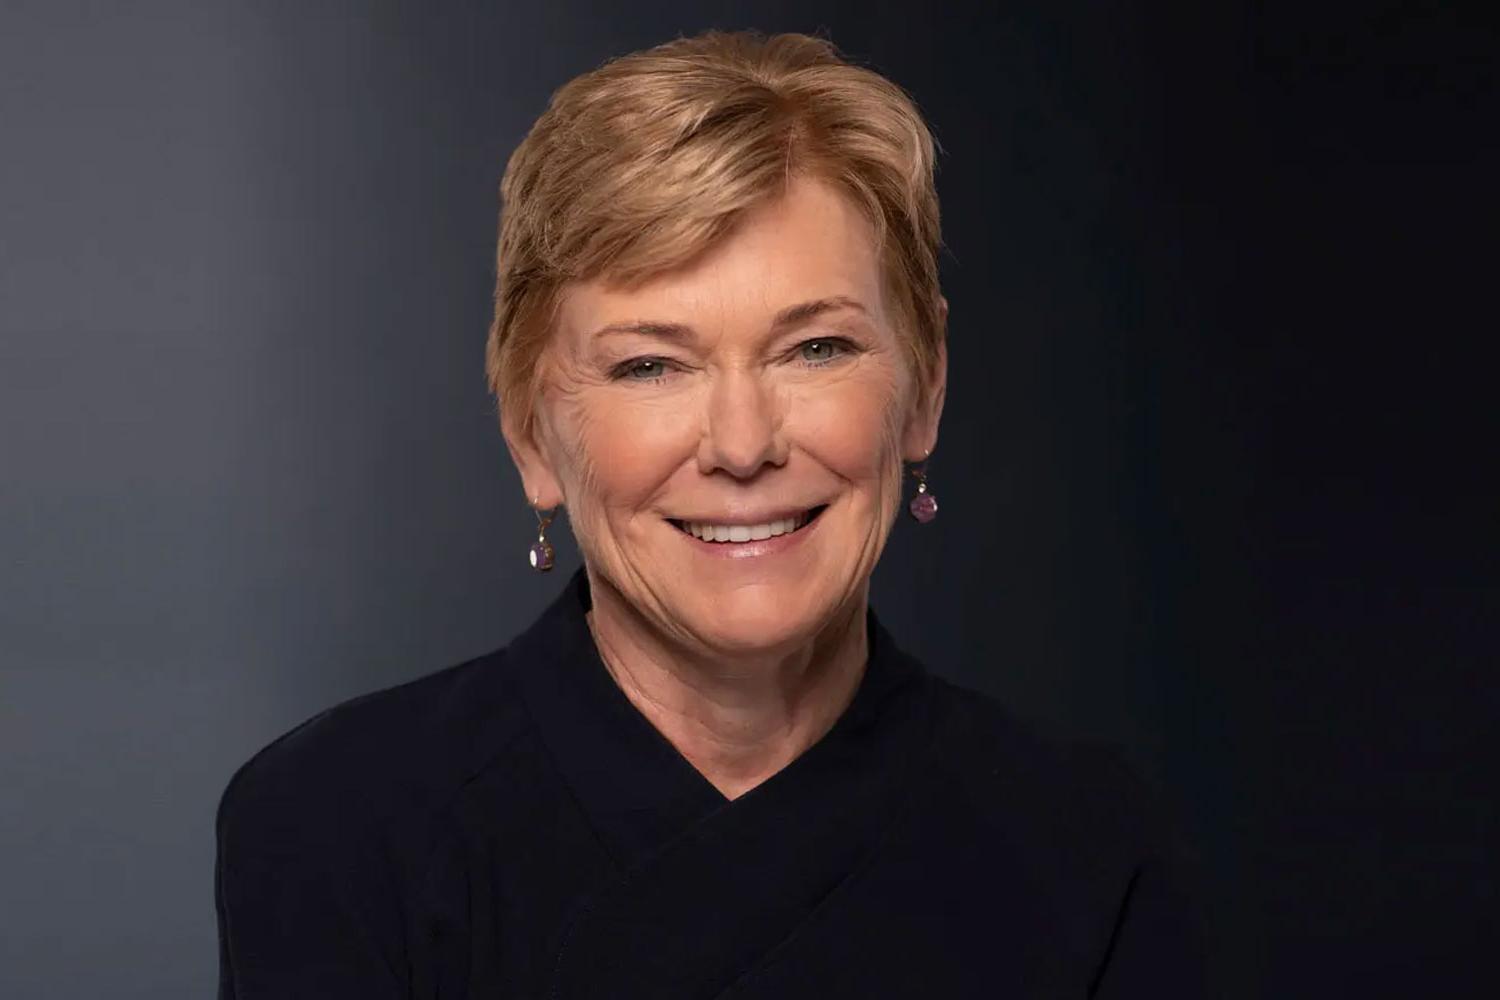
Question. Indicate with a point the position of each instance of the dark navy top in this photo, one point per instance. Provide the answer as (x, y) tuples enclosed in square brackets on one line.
[(514, 827)]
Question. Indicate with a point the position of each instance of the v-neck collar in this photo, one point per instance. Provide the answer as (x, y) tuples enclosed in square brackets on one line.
[(637, 789)]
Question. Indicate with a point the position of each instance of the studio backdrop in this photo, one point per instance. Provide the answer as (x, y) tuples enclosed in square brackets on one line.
[(249, 466)]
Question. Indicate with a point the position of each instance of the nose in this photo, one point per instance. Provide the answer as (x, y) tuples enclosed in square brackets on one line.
[(743, 430)]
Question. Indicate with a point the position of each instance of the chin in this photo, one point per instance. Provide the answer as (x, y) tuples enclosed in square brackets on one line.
[(759, 618)]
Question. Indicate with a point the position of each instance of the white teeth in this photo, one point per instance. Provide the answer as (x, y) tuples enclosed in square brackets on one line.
[(742, 532)]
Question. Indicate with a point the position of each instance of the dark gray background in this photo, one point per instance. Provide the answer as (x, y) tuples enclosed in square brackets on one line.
[(1213, 473)]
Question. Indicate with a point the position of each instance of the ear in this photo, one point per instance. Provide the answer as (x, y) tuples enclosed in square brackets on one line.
[(524, 440), (919, 438)]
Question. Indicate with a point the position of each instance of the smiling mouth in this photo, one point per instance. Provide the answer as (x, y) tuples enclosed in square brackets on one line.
[(727, 533)]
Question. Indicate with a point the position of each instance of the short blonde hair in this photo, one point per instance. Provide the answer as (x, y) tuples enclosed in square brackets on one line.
[(639, 165)]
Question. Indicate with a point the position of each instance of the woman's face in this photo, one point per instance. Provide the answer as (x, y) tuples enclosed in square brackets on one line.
[(761, 387)]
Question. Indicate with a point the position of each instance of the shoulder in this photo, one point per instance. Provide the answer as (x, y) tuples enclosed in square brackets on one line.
[(1043, 786), (1095, 843), (384, 757)]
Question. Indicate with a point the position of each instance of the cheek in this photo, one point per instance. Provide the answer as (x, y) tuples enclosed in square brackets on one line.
[(622, 450), (851, 424)]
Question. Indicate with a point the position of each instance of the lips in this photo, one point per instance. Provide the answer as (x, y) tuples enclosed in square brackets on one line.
[(710, 531)]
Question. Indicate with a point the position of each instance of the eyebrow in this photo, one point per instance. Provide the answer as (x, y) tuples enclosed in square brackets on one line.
[(789, 317)]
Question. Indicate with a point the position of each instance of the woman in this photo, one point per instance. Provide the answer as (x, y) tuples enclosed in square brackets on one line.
[(706, 770)]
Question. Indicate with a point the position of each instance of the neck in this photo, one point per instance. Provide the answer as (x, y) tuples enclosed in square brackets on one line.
[(738, 719)]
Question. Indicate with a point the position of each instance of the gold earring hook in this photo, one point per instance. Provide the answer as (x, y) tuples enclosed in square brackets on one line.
[(543, 521)]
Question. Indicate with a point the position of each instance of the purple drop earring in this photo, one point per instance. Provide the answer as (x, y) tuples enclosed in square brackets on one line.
[(541, 552), (923, 506)]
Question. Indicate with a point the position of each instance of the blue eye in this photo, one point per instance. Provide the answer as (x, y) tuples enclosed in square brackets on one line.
[(642, 370), (822, 351)]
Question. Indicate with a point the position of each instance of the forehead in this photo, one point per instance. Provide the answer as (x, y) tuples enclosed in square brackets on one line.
[(812, 243)]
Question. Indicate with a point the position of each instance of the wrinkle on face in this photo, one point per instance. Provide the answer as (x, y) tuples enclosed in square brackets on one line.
[(629, 454)]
